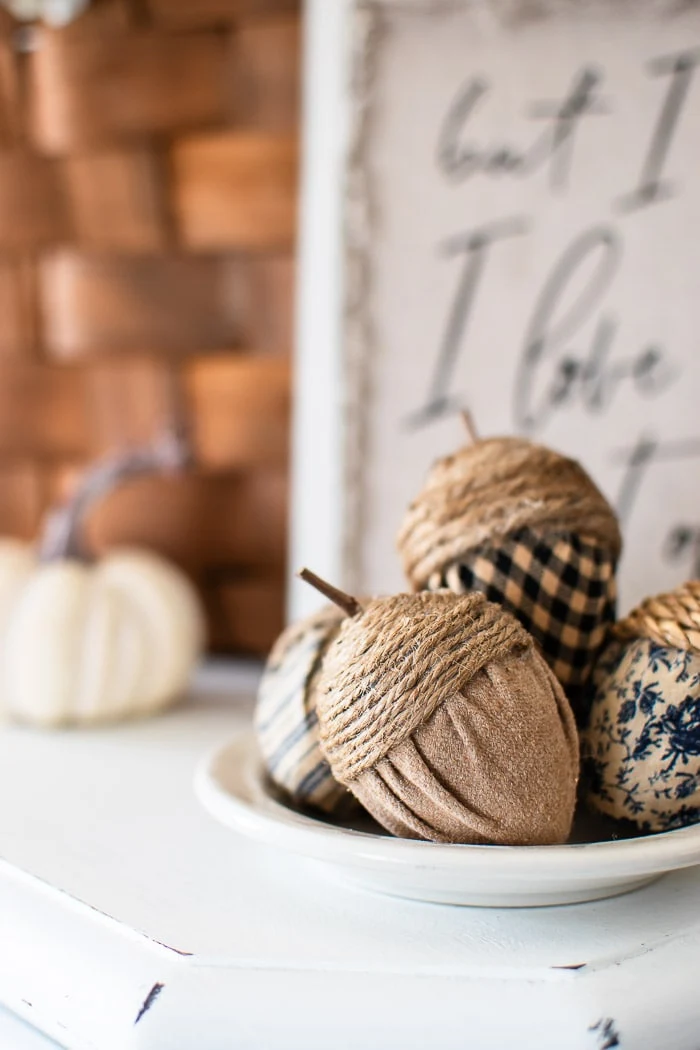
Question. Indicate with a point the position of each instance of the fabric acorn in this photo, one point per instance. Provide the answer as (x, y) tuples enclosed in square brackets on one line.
[(439, 714), (641, 749), (285, 715), (529, 529)]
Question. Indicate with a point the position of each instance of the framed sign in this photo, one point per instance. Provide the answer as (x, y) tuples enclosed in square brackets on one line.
[(501, 212)]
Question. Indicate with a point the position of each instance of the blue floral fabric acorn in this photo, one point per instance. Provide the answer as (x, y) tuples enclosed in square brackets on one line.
[(641, 748)]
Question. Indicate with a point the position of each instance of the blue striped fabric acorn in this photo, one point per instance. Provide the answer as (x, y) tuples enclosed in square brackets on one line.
[(285, 717)]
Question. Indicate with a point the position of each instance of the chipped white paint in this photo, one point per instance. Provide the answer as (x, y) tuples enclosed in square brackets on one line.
[(109, 859)]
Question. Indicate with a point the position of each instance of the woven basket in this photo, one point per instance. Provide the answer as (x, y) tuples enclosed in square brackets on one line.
[(147, 214)]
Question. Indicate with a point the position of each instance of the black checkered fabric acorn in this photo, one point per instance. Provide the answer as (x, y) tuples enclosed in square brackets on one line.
[(529, 529)]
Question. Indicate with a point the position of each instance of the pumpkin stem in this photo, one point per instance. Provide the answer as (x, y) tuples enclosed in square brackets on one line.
[(346, 602), (62, 535)]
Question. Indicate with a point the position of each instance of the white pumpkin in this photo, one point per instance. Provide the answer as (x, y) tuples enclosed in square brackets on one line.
[(83, 643), (54, 12)]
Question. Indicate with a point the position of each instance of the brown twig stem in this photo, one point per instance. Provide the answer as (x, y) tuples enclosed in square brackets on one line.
[(346, 602), (468, 421)]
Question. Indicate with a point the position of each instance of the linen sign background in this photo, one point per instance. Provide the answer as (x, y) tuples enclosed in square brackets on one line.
[(523, 238)]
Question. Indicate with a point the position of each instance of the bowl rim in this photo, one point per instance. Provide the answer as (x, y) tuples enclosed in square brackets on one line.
[(231, 784)]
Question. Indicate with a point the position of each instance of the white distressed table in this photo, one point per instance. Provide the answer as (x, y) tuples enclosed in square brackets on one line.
[(130, 919)]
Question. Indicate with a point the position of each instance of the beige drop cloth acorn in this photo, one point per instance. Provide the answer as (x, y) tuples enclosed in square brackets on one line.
[(439, 714)]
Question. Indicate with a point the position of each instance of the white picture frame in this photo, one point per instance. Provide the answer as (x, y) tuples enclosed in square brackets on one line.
[(330, 511)]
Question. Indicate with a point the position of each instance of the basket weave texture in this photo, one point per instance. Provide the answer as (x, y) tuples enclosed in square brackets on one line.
[(148, 164)]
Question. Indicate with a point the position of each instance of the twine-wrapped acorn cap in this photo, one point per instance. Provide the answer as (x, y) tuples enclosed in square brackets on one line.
[(528, 528), (493, 488), (671, 619), (286, 722), (438, 713), (641, 748)]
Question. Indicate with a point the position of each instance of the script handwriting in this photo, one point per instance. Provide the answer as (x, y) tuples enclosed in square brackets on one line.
[(474, 248), (459, 160), (652, 187), (554, 368)]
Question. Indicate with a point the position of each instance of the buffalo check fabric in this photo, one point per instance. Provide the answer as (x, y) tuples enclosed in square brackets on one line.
[(561, 588)]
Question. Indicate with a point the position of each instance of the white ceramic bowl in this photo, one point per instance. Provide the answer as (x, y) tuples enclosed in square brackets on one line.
[(232, 785)]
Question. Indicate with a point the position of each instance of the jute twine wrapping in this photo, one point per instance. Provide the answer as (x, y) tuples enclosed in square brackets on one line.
[(439, 714), (491, 489), (285, 715), (671, 619)]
